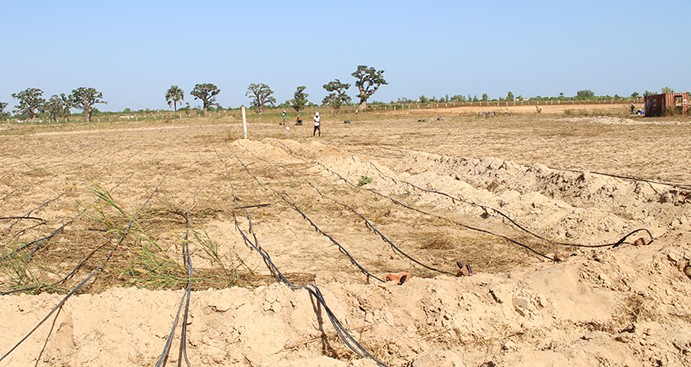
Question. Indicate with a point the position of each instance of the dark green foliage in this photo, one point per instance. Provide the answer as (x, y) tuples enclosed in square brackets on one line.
[(261, 95), (337, 96), (30, 102), (585, 94), (58, 107), (174, 95), (299, 99), (84, 98), (368, 80), (206, 92)]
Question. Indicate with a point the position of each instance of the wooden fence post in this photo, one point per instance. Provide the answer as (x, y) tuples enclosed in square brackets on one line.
[(244, 123)]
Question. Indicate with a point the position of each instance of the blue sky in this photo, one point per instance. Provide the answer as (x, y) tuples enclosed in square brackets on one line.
[(133, 51)]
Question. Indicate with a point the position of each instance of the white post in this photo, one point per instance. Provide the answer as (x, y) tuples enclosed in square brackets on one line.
[(244, 123)]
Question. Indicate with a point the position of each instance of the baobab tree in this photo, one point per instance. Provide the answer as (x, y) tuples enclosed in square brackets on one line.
[(207, 93), (31, 102), (58, 107), (261, 95), (84, 98), (173, 96), (368, 80), (338, 96)]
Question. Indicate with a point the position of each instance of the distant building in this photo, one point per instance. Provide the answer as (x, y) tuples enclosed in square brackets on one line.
[(667, 104)]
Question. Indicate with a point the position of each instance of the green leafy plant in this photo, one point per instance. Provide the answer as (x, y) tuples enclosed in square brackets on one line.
[(364, 180)]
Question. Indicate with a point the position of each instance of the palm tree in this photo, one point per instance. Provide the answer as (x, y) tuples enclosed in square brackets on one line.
[(174, 95)]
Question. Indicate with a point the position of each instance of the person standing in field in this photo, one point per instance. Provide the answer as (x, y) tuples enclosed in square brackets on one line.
[(317, 124), (284, 117)]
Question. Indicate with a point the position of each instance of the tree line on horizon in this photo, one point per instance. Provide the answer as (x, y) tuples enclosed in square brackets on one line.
[(31, 103), (368, 80)]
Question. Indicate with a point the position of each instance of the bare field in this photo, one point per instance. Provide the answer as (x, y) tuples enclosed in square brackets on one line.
[(112, 209)]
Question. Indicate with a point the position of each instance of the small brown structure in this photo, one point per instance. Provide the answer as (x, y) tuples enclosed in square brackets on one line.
[(667, 104)]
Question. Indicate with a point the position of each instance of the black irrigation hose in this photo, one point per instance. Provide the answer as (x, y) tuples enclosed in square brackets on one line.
[(637, 179), (36, 243), (27, 214), (368, 223), (23, 218), (462, 225), (50, 332), (163, 358), (516, 242), (384, 238), (519, 226), (187, 260), (56, 308), (340, 247), (613, 245), (314, 225), (312, 289), (92, 274), (81, 263)]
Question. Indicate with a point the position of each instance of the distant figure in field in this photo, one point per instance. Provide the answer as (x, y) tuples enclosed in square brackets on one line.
[(633, 108), (284, 117), (317, 124), (298, 120)]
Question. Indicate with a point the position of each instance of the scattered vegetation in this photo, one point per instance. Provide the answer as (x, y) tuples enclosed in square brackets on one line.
[(364, 180)]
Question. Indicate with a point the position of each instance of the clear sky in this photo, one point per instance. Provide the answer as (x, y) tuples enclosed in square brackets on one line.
[(133, 51)]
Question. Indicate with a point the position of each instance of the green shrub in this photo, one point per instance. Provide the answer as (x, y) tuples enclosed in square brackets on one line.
[(364, 180)]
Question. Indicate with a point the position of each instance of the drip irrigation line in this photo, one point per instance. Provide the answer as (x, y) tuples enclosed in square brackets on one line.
[(187, 260), (163, 358), (39, 242), (469, 227), (36, 243), (312, 289), (93, 274), (613, 245), (27, 214), (50, 332), (462, 225), (384, 238), (187, 295), (505, 216), (314, 225), (368, 223), (81, 263), (684, 186), (340, 247), (23, 218), (52, 311)]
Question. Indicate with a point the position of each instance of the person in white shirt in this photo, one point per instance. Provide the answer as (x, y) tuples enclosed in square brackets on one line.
[(316, 124)]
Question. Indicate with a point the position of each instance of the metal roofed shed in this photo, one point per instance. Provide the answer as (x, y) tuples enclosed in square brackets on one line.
[(667, 104)]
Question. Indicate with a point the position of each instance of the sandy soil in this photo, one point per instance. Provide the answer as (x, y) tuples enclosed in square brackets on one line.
[(532, 202)]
